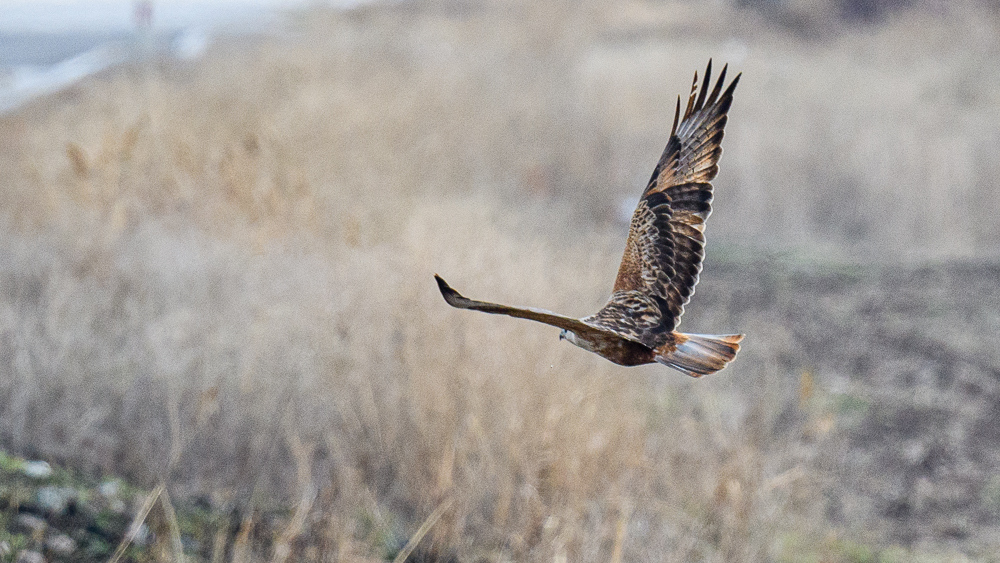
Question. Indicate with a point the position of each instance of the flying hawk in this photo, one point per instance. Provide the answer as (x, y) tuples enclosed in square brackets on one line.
[(663, 254)]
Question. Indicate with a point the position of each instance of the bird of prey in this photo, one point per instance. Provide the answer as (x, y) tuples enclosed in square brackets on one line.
[(663, 254)]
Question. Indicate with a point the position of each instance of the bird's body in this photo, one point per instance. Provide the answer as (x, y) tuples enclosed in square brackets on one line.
[(621, 351), (663, 255)]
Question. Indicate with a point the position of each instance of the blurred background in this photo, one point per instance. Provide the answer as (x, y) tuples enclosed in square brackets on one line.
[(220, 223)]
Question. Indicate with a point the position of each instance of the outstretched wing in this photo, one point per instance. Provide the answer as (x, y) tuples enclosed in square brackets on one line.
[(455, 299), (666, 241)]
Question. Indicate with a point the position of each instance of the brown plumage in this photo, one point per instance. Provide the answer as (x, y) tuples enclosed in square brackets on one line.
[(663, 254)]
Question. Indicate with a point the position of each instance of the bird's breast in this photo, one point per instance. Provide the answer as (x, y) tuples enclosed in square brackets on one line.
[(621, 351)]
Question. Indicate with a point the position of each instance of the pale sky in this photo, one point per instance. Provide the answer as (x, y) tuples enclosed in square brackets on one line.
[(102, 15)]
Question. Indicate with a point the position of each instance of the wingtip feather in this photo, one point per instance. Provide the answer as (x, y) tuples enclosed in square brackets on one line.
[(692, 96), (704, 87), (450, 295), (732, 85), (718, 85), (677, 117)]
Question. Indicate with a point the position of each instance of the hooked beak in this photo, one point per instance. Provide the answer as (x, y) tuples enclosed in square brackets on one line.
[(562, 334)]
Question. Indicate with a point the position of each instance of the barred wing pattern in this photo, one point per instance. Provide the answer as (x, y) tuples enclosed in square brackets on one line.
[(665, 247)]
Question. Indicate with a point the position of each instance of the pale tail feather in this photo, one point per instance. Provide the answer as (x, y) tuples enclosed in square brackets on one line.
[(702, 354)]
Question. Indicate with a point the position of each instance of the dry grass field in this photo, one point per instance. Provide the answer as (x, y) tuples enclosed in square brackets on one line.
[(217, 276)]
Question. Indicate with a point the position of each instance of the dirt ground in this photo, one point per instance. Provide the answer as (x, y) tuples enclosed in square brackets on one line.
[(907, 358)]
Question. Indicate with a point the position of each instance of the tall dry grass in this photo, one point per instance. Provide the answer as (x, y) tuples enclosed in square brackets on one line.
[(218, 277)]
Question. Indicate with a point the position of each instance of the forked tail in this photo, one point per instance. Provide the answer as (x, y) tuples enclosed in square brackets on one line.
[(701, 354)]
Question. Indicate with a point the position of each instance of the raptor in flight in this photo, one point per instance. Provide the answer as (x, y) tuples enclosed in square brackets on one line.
[(663, 254)]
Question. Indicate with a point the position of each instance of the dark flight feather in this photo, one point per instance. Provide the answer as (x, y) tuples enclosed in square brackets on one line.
[(665, 247)]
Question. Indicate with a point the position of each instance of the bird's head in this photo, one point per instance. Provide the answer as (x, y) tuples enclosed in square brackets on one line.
[(578, 341), (568, 336)]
